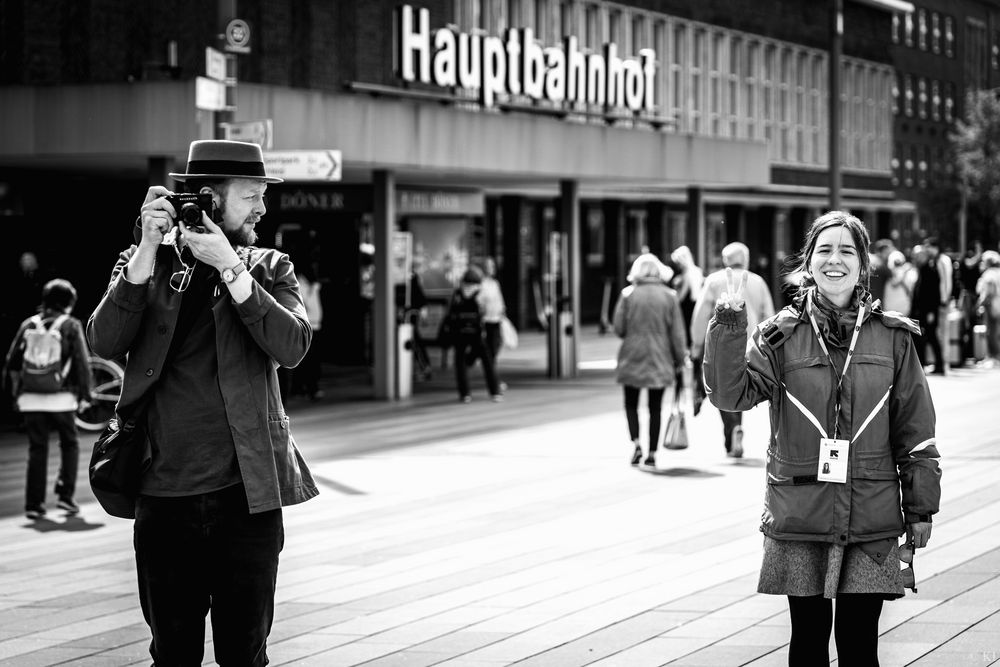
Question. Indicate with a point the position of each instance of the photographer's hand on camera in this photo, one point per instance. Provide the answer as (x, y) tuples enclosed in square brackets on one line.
[(156, 217), (211, 246)]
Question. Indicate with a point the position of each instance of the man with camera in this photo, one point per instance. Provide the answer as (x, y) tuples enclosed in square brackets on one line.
[(205, 319)]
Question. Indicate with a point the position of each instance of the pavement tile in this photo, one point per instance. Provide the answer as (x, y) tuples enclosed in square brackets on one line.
[(916, 630), (949, 584), (603, 642), (652, 653), (892, 653), (48, 656), (719, 655)]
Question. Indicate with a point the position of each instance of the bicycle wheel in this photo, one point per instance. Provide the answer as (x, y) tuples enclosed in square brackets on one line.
[(107, 379)]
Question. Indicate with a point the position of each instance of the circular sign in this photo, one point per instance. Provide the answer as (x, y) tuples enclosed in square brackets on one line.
[(238, 34)]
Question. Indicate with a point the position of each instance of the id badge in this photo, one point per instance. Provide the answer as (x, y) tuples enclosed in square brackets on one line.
[(833, 458)]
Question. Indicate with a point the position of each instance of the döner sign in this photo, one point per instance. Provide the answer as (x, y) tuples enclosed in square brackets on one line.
[(518, 66)]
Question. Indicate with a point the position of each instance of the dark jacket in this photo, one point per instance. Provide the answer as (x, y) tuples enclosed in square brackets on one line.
[(73, 346), (253, 338), (894, 453)]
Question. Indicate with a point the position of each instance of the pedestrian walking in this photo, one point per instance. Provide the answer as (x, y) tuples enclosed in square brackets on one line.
[(49, 371), (898, 293), (649, 321), (926, 306), (852, 462), (759, 306), (688, 284), (464, 330), (493, 307), (988, 300), (205, 318), (306, 377)]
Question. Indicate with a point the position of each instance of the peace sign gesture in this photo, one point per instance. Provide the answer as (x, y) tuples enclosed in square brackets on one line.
[(732, 298)]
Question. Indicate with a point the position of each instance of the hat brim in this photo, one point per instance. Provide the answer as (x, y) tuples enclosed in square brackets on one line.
[(266, 179)]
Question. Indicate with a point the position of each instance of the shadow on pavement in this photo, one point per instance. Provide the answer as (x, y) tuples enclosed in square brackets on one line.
[(72, 524), (679, 472)]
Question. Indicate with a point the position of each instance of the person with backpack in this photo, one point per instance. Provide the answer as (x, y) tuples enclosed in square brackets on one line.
[(49, 370), (463, 329)]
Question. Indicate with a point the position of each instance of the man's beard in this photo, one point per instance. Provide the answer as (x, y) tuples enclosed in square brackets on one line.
[(241, 236)]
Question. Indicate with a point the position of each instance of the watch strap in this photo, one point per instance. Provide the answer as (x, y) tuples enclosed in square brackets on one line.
[(237, 270)]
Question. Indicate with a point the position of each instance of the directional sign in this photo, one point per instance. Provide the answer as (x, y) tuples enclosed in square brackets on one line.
[(324, 165), (209, 94), (215, 64)]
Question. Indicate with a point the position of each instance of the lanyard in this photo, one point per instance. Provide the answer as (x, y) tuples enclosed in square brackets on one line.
[(850, 353)]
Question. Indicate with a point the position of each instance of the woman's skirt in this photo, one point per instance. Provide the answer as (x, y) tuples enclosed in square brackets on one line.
[(821, 568)]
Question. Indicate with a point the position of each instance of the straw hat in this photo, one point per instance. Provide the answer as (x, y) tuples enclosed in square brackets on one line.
[(214, 158)]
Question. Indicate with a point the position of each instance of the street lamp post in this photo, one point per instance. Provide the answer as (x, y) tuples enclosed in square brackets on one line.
[(836, 49)]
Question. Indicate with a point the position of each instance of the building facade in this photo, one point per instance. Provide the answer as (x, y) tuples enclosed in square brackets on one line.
[(562, 137)]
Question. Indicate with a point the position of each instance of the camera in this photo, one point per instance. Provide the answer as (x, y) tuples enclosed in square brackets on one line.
[(189, 207)]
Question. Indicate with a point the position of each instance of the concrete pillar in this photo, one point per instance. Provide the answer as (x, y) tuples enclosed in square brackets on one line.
[(159, 168), (696, 231), (569, 203), (383, 315)]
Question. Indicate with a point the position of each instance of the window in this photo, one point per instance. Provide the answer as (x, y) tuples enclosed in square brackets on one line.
[(896, 25), (639, 39), (935, 32), (995, 51), (949, 37), (908, 29), (697, 80), (593, 37), (895, 95), (976, 56), (566, 23), (751, 85), (469, 15), (908, 95), (541, 25), (922, 29), (949, 103), (935, 100), (678, 88), (922, 97), (733, 112)]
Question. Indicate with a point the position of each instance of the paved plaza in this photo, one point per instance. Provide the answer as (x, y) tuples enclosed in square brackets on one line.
[(517, 533)]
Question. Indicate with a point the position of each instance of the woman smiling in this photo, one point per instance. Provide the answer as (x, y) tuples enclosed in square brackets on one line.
[(852, 462)]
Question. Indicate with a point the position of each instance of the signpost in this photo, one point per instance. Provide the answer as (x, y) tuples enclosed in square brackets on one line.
[(321, 165), (209, 94)]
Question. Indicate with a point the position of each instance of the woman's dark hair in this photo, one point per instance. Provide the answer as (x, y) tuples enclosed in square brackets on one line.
[(58, 294), (859, 234)]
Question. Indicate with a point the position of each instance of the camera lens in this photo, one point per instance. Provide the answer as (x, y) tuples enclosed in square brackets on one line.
[(190, 214)]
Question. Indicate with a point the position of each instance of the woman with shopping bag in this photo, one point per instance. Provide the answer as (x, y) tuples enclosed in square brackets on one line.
[(648, 319)]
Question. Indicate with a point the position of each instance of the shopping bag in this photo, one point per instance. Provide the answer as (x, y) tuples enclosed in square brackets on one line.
[(508, 334), (676, 436)]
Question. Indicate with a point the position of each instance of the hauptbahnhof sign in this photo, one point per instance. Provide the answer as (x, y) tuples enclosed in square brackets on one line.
[(517, 65)]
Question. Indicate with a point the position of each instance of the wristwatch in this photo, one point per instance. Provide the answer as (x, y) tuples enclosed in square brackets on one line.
[(229, 275)]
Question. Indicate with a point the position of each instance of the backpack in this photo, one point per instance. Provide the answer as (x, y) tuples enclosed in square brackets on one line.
[(42, 370)]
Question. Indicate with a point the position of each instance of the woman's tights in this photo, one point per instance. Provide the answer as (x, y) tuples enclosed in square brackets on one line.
[(655, 401), (855, 630)]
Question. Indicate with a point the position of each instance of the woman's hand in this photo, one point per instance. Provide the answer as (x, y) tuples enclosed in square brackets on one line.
[(919, 533), (732, 298)]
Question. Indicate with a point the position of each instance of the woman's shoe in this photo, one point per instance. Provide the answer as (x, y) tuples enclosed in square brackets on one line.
[(650, 461), (637, 454)]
